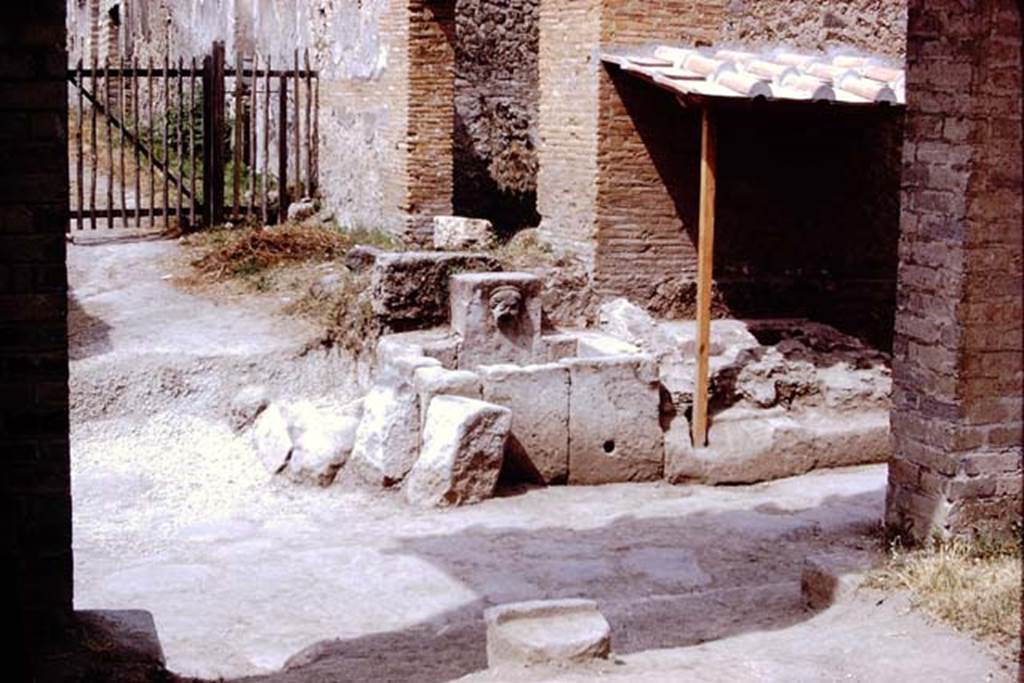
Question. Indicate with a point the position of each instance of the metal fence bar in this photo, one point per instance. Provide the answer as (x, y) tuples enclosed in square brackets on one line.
[(112, 173), (296, 81), (266, 145), (282, 150), (94, 152), (80, 147)]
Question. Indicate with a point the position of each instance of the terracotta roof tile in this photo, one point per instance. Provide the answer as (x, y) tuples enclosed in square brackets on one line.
[(776, 75)]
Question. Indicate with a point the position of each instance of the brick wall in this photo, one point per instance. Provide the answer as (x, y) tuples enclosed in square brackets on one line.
[(958, 357), (632, 217), (36, 542), (496, 97), (648, 157), (431, 113), (570, 33), (387, 112)]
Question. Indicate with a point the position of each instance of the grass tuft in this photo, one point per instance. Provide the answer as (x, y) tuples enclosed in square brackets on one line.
[(973, 586)]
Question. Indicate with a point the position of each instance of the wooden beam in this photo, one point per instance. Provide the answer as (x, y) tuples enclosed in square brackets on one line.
[(705, 267)]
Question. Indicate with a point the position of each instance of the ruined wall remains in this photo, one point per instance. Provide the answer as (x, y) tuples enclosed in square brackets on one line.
[(958, 357), (35, 488), (874, 26), (496, 99)]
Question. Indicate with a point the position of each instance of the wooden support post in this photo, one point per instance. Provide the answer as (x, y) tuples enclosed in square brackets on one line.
[(705, 262)]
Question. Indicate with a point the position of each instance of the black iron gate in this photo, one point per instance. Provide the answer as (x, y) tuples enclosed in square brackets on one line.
[(186, 146)]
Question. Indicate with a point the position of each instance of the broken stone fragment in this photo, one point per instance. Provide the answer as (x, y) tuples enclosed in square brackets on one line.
[(538, 396), (433, 381), (361, 258), (321, 444), (409, 290), (271, 438), (624, 320), (387, 440), (247, 405), (455, 233), (301, 210), (462, 454), (546, 632)]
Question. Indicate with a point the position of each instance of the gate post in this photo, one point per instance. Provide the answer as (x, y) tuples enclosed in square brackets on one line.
[(213, 136)]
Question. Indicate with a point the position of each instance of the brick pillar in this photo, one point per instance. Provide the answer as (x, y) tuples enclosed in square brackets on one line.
[(35, 488), (431, 114), (958, 352)]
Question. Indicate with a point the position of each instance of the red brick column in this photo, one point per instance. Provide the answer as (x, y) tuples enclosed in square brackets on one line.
[(35, 489), (958, 352)]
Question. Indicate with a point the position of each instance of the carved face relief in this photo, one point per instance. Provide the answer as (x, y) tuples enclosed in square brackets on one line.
[(506, 304)]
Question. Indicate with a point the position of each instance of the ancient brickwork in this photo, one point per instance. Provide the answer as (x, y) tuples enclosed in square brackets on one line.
[(431, 114), (496, 98), (386, 112), (35, 492), (875, 26), (958, 353), (637, 233), (647, 156), (570, 33)]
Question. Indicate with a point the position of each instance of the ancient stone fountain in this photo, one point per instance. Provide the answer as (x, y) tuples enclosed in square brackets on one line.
[(489, 389), (582, 409)]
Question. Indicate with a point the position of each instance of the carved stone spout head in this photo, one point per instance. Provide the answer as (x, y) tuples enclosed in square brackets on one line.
[(506, 304)]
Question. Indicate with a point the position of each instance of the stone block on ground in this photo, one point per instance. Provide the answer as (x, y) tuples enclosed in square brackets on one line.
[(749, 445), (435, 381), (546, 632), (387, 439), (614, 428), (498, 317), (322, 442), (301, 210), (462, 453), (409, 290), (455, 233), (829, 578), (538, 396)]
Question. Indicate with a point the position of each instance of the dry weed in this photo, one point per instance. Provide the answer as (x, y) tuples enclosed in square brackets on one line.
[(975, 587)]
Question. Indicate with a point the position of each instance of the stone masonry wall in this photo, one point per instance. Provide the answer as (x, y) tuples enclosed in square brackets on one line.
[(875, 26), (496, 98), (386, 113), (958, 356), (35, 488)]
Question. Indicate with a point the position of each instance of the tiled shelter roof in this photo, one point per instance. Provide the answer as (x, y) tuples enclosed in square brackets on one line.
[(776, 75)]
